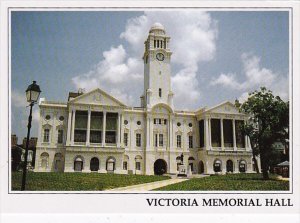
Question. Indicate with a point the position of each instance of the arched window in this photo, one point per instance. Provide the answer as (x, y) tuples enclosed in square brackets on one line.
[(46, 135), (201, 167), (94, 164), (242, 166), (78, 163), (58, 162), (229, 166), (217, 166), (44, 160), (110, 164), (159, 92)]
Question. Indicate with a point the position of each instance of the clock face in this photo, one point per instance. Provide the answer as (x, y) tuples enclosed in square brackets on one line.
[(160, 56)]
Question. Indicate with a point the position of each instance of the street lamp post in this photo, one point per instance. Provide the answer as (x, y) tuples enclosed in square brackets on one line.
[(32, 94)]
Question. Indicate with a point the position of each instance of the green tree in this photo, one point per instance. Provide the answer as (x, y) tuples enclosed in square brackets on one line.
[(268, 123)]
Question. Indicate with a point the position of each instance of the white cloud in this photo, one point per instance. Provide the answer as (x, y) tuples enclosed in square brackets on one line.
[(228, 80), (115, 73), (193, 36), (254, 76), (18, 99), (244, 96)]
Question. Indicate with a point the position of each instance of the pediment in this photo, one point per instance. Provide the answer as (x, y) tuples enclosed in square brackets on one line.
[(161, 109), (224, 108), (97, 97)]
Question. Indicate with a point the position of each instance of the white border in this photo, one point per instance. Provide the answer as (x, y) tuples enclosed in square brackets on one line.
[(135, 203)]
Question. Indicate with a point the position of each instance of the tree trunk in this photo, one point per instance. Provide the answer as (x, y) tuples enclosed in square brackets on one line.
[(254, 157), (255, 164), (264, 165)]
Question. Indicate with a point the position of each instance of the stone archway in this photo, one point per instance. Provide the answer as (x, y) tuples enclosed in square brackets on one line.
[(160, 167), (94, 164), (229, 166), (201, 167)]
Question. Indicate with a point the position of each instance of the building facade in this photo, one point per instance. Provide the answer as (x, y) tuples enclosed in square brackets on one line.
[(95, 132)]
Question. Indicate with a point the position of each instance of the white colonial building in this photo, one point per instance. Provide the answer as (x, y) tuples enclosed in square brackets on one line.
[(94, 131)]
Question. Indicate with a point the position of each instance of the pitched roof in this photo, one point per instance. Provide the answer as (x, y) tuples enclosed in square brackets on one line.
[(285, 163), (101, 92)]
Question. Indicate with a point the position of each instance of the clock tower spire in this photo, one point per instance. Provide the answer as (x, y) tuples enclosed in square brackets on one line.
[(157, 69)]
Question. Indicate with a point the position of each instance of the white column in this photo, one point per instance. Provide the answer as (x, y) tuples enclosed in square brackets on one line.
[(206, 134), (209, 133), (171, 131), (132, 141), (118, 130), (184, 135), (103, 128), (73, 126), (151, 141), (53, 138), (122, 131), (222, 134), (234, 137), (168, 134), (69, 127), (88, 128), (148, 133)]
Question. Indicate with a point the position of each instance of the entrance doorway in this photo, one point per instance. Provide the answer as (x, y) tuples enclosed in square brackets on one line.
[(160, 167), (94, 165)]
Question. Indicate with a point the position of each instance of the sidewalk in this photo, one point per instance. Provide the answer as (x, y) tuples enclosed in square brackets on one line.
[(149, 186)]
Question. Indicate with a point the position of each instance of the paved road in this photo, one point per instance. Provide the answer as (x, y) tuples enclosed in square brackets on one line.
[(149, 186)]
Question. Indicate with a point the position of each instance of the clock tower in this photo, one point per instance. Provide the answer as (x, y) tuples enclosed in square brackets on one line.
[(157, 69)]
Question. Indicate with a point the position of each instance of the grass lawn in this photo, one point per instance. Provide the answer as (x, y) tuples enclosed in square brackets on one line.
[(236, 182), (78, 181)]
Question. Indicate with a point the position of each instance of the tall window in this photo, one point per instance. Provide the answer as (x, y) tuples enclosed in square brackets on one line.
[(125, 165), (161, 140), (125, 138), (156, 140), (111, 128), (240, 137), (80, 132), (228, 132), (138, 139), (190, 142), (216, 132), (60, 136), (46, 135), (96, 127), (201, 133), (159, 92), (178, 141)]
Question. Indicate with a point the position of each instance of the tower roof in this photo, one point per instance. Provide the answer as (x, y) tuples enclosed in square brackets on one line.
[(157, 26)]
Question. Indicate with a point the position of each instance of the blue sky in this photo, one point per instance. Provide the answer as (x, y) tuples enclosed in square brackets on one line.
[(217, 56)]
